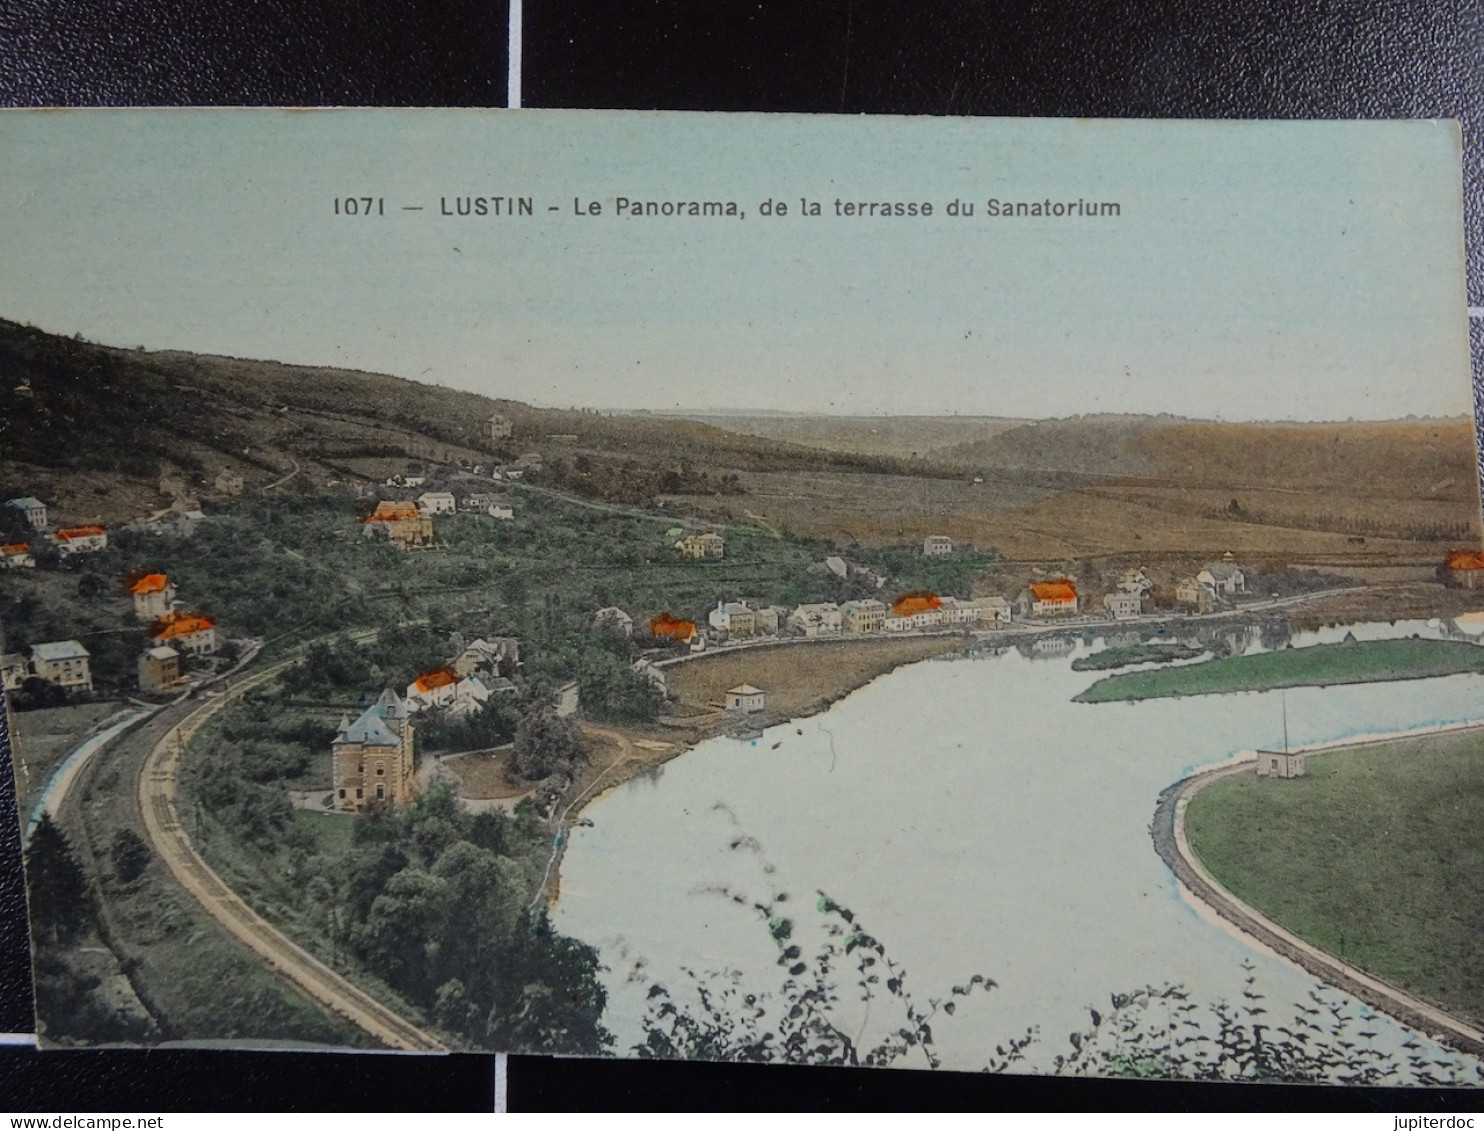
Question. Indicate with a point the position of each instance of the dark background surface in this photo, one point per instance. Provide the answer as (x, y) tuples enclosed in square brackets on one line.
[(1105, 58)]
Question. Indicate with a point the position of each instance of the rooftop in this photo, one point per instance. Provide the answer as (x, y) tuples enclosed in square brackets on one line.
[(59, 650)]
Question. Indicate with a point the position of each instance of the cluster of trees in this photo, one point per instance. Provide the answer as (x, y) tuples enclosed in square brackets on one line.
[(438, 903)]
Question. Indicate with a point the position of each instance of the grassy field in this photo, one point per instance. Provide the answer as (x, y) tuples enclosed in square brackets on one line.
[(801, 678), (1375, 857), (1369, 661), (1120, 657)]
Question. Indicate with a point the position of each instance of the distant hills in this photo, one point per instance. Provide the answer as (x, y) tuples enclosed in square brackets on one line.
[(108, 434)]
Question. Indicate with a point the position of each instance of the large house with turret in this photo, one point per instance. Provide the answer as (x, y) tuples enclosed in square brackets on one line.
[(371, 759)]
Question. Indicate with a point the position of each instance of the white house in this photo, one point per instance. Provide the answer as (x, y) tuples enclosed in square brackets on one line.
[(488, 655), (991, 610), (436, 502), (153, 595), (567, 699), (194, 633), (33, 509), (501, 511), (432, 689), (498, 427), (1123, 605), (862, 617), (937, 546), (64, 662), (745, 697), (17, 555), (81, 539), (476, 501), (816, 620)]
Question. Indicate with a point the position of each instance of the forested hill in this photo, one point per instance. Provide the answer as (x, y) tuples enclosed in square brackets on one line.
[(77, 416)]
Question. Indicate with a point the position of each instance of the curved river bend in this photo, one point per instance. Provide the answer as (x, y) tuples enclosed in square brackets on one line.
[(977, 821)]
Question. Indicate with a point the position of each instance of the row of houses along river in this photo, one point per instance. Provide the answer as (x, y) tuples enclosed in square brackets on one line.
[(977, 821)]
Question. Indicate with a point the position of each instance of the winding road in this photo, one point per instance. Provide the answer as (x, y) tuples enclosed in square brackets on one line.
[(157, 792)]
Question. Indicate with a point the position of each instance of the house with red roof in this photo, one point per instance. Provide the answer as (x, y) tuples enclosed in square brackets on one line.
[(1049, 598), (17, 555), (1465, 568), (153, 595), (81, 539), (192, 633)]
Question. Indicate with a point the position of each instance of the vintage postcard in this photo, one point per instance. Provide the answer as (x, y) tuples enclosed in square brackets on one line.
[(965, 594)]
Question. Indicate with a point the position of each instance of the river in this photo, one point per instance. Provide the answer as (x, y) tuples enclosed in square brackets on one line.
[(977, 821)]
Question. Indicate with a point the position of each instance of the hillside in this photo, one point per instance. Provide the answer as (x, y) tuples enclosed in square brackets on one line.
[(94, 428)]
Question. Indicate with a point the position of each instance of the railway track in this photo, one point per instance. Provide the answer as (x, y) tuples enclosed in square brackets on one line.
[(157, 792)]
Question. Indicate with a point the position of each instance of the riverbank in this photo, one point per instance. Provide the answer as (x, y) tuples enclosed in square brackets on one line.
[(1320, 665), (1171, 833)]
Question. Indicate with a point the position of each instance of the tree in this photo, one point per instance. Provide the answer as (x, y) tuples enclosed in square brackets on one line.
[(57, 888), (129, 854), (546, 745)]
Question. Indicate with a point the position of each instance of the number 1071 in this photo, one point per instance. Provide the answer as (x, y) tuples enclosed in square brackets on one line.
[(360, 206)]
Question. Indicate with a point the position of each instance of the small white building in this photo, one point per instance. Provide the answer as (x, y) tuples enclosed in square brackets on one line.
[(937, 546), (63, 662), (17, 555), (33, 509), (498, 427), (862, 617), (493, 655), (990, 610), (502, 511), (436, 502), (747, 698), (1224, 578), (1280, 764)]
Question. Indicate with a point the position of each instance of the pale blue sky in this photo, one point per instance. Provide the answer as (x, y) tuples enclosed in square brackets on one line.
[(1258, 270)]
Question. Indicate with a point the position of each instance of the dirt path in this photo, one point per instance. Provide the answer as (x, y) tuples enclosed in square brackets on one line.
[(1202, 889), (157, 789), (559, 836)]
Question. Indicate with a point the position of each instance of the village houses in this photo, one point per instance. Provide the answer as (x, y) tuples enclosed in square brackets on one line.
[(17, 555), (33, 510), (1190, 593), (153, 596), (192, 633), (372, 758), (696, 547), (81, 539), (63, 662)]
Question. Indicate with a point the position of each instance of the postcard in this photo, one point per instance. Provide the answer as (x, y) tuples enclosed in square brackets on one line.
[(909, 593)]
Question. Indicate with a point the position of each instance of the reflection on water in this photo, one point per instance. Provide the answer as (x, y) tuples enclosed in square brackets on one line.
[(978, 821)]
